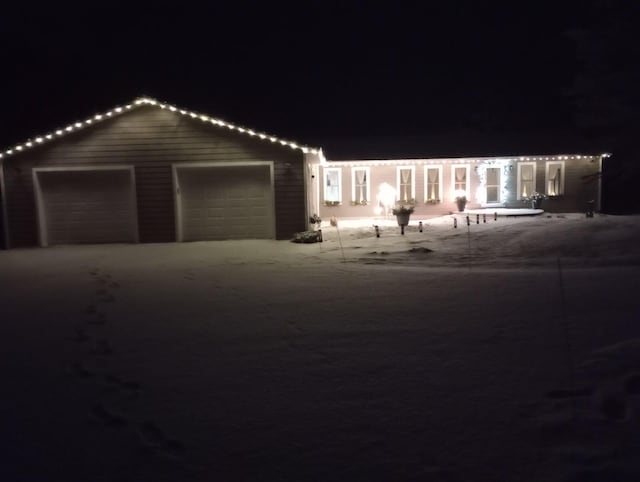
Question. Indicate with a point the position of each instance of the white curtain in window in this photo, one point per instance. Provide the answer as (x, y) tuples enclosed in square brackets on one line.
[(406, 175), (461, 179), (554, 179), (432, 184), (361, 185), (526, 179), (405, 184)]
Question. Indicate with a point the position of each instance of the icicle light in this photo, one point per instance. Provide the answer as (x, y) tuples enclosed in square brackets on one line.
[(476, 160), (149, 101)]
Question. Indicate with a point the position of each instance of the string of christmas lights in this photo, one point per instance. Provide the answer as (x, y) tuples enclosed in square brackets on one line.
[(500, 159), (149, 101)]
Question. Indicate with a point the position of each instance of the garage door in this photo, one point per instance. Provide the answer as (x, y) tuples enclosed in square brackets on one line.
[(226, 202), (87, 206)]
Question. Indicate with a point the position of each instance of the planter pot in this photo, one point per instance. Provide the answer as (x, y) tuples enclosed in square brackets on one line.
[(403, 219), (461, 205), (536, 204)]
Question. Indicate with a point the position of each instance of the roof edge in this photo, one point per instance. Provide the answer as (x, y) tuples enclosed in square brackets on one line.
[(141, 101)]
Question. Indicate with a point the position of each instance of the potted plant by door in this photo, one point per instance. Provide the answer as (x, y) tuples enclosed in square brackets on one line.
[(402, 212), (461, 200), (535, 199)]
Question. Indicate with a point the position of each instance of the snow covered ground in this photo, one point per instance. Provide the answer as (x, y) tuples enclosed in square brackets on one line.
[(506, 350)]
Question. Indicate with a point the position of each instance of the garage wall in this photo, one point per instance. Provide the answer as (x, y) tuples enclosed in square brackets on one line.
[(151, 140)]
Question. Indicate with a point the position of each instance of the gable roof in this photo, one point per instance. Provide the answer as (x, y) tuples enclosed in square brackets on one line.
[(142, 101)]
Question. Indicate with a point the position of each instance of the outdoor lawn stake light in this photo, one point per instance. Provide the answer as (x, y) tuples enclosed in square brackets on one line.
[(320, 235), (495, 216), (477, 219), (468, 220), (484, 218), (420, 226), (377, 230), (455, 222)]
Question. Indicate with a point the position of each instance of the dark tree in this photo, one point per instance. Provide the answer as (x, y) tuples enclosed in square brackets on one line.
[(606, 94)]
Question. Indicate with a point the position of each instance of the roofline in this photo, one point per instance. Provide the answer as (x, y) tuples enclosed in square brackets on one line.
[(141, 101), (433, 160)]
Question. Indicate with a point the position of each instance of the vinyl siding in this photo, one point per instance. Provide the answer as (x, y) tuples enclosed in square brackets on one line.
[(152, 139)]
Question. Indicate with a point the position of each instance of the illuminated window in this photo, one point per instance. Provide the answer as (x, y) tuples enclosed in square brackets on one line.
[(526, 179), (492, 184), (432, 184), (360, 187), (555, 178), (332, 184), (406, 183), (460, 180)]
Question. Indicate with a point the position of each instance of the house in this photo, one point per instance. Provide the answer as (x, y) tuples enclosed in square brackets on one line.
[(371, 187), (150, 172)]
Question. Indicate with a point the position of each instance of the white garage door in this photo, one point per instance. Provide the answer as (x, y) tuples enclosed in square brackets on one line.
[(226, 202), (87, 206)]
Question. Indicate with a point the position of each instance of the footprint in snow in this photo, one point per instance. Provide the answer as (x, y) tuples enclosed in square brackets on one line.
[(108, 417), (153, 436), (595, 424), (632, 384), (79, 336), (109, 298), (99, 319), (102, 347), (79, 370), (118, 382)]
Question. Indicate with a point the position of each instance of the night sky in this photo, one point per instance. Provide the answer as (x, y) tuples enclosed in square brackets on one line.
[(325, 72)]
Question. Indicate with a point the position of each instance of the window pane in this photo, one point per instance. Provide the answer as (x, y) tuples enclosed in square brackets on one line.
[(492, 176), (332, 185), (554, 177)]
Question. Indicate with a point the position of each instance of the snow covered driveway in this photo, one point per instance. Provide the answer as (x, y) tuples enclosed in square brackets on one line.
[(440, 356)]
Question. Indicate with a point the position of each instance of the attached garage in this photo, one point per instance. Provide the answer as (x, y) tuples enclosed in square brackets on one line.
[(152, 172), (85, 205), (224, 201)]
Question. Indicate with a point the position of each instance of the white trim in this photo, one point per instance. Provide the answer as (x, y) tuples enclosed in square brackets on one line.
[(546, 177), (5, 211), (519, 177), (195, 165), (43, 237), (467, 180), (426, 180), (367, 171), (324, 184), (412, 167)]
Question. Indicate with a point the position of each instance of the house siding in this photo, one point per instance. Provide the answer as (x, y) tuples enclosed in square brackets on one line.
[(151, 140), (577, 190)]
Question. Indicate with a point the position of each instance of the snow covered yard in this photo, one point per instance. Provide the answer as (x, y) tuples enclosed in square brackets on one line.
[(446, 355)]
